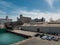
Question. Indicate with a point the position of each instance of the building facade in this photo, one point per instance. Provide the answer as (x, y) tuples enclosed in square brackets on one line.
[(39, 20), (24, 19)]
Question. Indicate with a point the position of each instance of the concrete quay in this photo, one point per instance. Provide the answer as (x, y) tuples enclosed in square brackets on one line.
[(33, 40), (26, 33), (36, 41)]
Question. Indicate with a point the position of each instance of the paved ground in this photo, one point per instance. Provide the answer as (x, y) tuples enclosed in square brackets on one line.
[(37, 41), (33, 40)]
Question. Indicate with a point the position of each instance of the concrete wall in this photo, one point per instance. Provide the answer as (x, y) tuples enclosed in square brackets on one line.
[(42, 29)]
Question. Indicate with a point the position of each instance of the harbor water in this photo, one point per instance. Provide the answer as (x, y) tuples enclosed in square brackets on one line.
[(7, 38)]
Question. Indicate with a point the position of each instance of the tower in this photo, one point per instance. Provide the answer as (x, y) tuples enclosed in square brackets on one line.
[(6, 17), (21, 16)]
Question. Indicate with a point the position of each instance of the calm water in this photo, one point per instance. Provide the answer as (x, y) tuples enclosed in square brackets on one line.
[(7, 38)]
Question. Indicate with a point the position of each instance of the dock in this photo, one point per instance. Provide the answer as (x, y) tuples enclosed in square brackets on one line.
[(36, 41), (26, 33), (33, 40)]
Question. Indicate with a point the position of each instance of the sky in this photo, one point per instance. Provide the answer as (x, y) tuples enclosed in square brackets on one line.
[(30, 8)]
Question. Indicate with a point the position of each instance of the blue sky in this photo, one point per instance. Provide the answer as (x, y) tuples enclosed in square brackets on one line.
[(30, 8)]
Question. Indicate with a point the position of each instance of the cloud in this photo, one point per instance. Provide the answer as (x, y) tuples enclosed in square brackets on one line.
[(37, 14), (5, 5), (51, 2), (32, 13), (6, 8), (2, 14)]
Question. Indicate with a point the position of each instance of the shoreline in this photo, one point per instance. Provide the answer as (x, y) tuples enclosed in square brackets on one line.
[(31, 38)]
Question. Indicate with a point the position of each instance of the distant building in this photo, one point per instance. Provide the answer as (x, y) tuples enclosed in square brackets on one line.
[(24, 19), (39, 20), (58, 20), (2, 21)]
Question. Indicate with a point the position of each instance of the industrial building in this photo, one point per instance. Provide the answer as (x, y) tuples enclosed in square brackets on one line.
[(23, 19)]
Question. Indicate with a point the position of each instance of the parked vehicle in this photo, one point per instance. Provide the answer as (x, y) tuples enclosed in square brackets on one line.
[(46, 37), (58, 34), (37, 35), (50, 37), (41, 35), (55, 39)]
